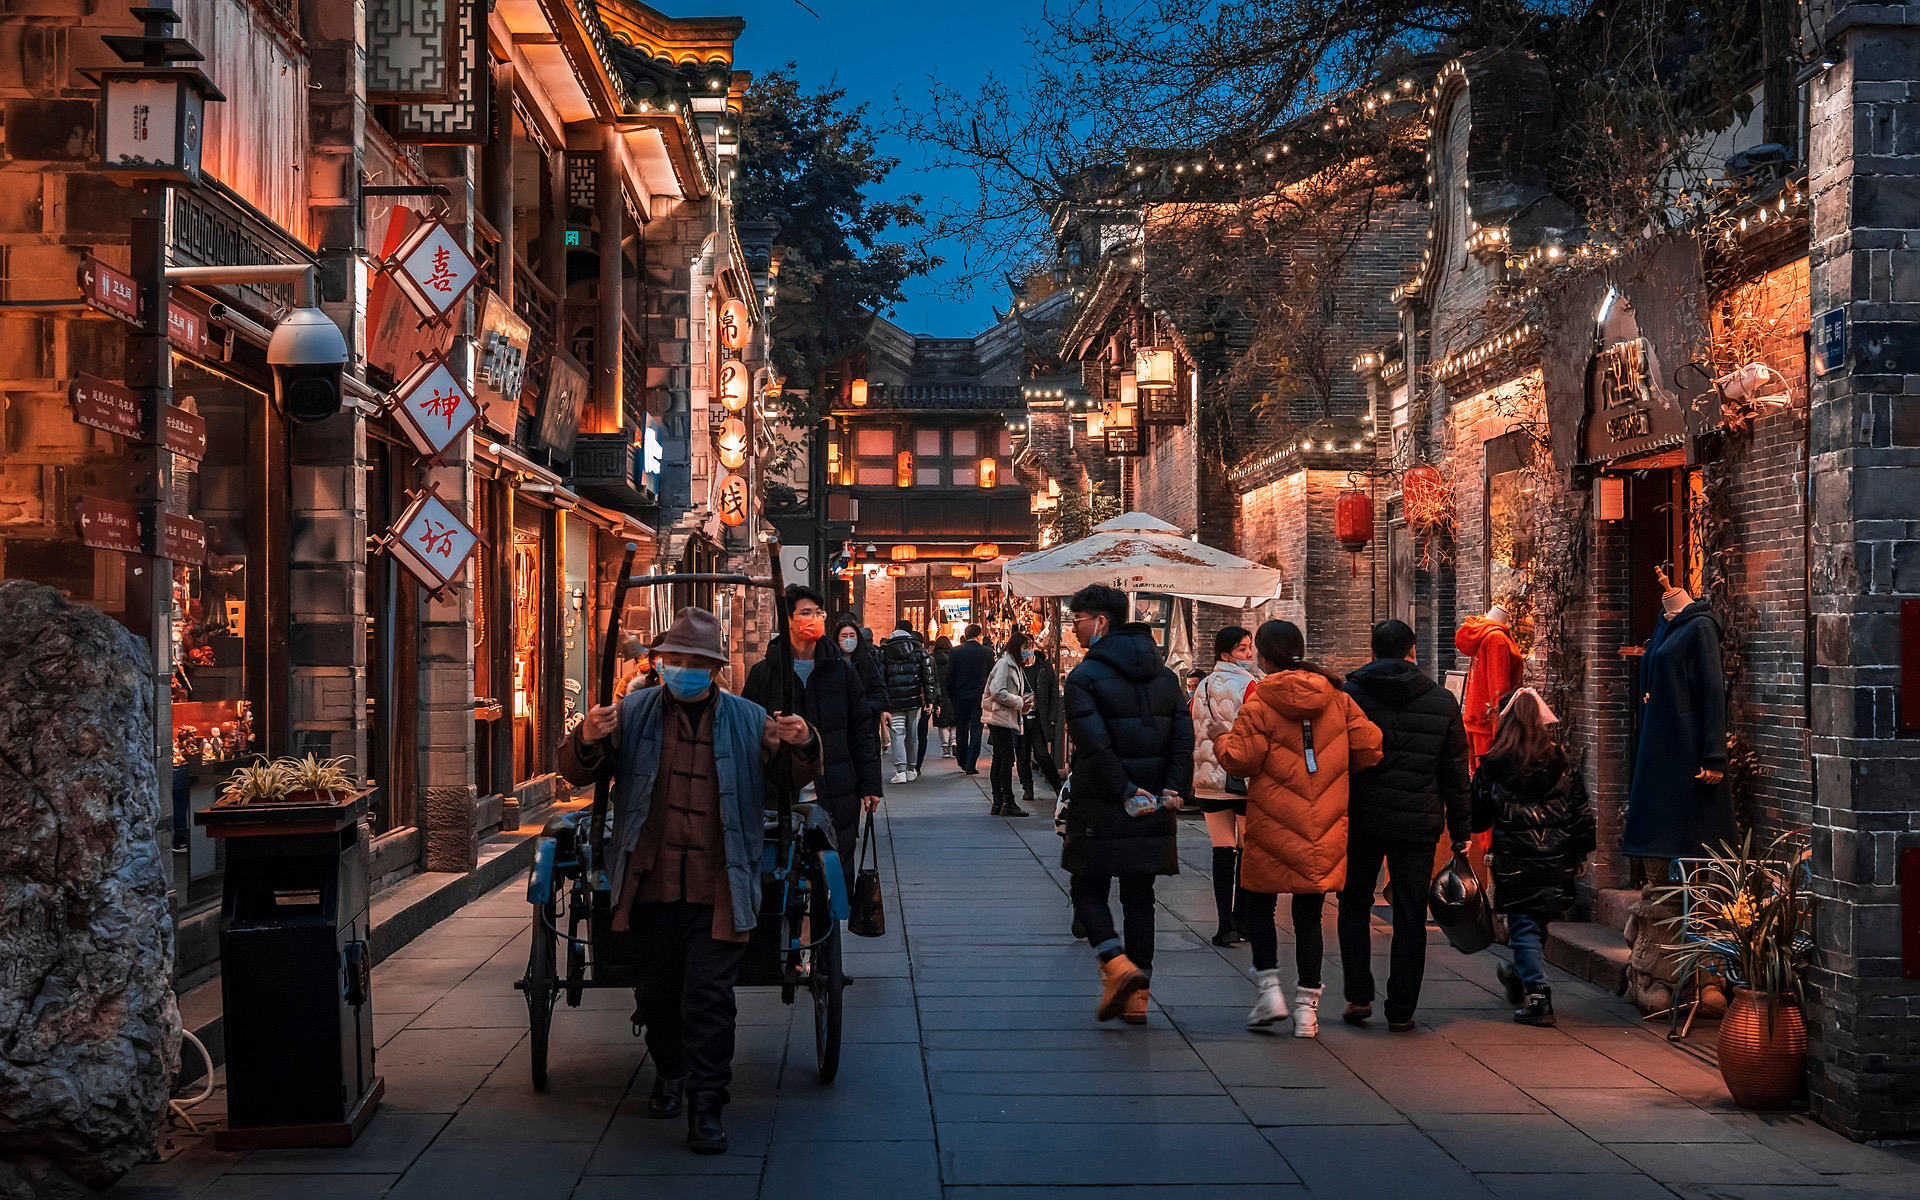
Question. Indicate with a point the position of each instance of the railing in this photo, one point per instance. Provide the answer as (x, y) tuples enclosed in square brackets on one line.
[(633, 375), (535, 304)]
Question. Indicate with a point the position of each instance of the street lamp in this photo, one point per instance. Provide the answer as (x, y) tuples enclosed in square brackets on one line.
[(152, 118)]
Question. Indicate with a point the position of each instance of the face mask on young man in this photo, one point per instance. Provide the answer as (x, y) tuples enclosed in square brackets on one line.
[(809, 627), (687, 683)]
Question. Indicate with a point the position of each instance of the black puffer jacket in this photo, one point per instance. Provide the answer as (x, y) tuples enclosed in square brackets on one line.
[(908, 671), (1542, 831), (1127, 718), (834, 702), (1419, 789)]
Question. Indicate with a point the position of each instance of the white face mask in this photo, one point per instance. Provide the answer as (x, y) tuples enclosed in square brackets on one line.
[(849, 641)]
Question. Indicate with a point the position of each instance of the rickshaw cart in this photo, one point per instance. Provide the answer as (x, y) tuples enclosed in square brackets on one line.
[(796, 944)]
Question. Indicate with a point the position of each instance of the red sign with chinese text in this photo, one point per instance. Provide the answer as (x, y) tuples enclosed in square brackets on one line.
[(108, 290), (432, 541), (108, 524), (187, 329), (106, 405), (183, 432), (182, 539), (433, 408)]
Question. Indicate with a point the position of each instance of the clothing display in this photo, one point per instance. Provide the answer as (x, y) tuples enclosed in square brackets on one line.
[(1671, 811), (1495, 671)]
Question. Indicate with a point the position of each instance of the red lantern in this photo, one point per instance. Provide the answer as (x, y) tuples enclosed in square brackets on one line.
[(1353, 523), (1423, 489)]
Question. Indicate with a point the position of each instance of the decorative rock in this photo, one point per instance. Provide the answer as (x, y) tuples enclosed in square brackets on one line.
[(89, 1032)]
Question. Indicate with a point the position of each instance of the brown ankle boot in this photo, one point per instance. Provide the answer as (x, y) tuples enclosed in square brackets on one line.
[(1136, 1013), (1119, 979)]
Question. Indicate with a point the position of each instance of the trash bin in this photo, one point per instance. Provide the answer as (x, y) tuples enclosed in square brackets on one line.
[(294, 974)]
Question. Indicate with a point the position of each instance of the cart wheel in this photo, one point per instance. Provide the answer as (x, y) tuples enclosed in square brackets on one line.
[(542, 988), (827, 985)]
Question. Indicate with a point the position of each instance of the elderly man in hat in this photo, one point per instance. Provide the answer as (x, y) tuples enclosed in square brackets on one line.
[(690, 767)]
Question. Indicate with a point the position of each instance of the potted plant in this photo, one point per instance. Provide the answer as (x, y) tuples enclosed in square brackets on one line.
[(1749, 917), (260, 783), (315, 780)]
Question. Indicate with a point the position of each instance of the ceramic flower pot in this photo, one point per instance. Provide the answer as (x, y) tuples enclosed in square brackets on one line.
[(1764, 1062)]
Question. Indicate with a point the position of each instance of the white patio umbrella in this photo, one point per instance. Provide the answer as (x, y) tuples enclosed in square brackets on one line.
[(1138, 553)]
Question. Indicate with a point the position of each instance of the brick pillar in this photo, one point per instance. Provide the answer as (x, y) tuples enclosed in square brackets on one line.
[(1864, 164), (327, 564)]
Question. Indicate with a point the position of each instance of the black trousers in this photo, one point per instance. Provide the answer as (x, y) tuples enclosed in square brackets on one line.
[(1089, 895), (1038, 752), (966, 732), (1253, 917), (686, 997), (846, 843), (1411, 865), (1008, 749), (920, 752)]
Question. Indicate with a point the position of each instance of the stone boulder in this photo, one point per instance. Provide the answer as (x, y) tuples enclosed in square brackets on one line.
[(89, 1031)]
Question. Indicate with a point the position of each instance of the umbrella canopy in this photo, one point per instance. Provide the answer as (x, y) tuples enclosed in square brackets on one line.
[(1138, 553)]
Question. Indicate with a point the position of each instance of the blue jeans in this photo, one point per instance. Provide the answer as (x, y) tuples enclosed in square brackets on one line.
[(1525, 933)]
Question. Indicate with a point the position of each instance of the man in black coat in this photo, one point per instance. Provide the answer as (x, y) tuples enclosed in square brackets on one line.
[(1396, 812), (1044, 720), (828, 692), (907, 671), (967, 670), (1132, 766)]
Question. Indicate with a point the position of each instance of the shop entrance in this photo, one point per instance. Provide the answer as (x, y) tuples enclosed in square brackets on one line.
[(1661, 535)]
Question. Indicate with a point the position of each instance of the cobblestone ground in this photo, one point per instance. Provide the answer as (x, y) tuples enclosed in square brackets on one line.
[(974, 1070)]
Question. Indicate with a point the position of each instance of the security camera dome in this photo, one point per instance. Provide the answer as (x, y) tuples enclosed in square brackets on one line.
[(308, 354)]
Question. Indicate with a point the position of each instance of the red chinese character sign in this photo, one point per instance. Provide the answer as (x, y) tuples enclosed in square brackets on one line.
[(433, 408), (431, 541), (434, 269)]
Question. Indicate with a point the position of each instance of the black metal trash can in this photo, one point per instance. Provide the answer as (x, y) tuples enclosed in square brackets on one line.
[(295, 974)]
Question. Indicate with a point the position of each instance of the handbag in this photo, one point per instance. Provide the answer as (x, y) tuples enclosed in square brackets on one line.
[(1459, 906), (867, 916), (1236, 785)]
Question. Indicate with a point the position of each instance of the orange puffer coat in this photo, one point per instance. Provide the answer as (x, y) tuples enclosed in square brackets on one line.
[(1296, 839)]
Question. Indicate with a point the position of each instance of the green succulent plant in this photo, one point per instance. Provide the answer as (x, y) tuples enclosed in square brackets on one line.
[(257, 784), (315, 774)]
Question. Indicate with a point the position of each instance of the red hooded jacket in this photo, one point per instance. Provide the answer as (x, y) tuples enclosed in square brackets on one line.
[(1495, 671)]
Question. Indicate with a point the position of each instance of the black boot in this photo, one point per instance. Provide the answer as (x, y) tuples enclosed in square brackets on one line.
[(1510, 980), (1226, 862), (1538, 1009), (705, 1133), (666, 1099), (1010, 809)]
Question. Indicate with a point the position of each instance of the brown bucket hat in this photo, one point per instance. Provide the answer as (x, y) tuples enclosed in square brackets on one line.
[(694, 631)]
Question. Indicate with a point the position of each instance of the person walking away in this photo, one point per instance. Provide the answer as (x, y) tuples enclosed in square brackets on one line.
[(1044, 721), (1297, 740), (1397, 811), (1222, 797), (1536, 805), (1007, 703), (926, 710), (828, 692), (942, 703), (967, 671), (687, 839), (1131, 767), (907, 672)]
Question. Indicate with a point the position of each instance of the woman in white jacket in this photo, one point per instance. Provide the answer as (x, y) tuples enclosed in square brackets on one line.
[(1218, 698), (1003, 709)]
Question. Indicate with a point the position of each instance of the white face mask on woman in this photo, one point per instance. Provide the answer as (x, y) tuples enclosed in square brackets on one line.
[(849, 641)]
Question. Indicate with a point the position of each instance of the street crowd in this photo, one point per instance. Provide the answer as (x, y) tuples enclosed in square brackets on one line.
[(1311, 784)]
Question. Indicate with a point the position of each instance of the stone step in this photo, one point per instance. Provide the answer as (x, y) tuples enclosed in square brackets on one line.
[(1594, 952), (1611, 906), (399, 914)]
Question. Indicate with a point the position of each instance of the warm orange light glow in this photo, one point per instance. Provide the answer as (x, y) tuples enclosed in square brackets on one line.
[(896, 570), (733, 385), (731, 499), (986, 551), (1153, 368), (963, 570), (989, 472), (859, 393), (903, 469), (732, 444), (1129, 389), (905, 554)]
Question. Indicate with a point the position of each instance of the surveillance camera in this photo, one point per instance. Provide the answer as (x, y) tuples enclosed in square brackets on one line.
[(308, 354)]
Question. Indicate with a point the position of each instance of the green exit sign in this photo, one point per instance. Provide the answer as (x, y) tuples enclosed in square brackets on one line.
[(573, 237)]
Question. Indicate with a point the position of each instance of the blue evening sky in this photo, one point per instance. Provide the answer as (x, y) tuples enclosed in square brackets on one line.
[(878, 49)]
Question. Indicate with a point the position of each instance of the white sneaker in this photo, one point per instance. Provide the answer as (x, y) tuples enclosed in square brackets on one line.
[(899, 777), (1306, 1012), (912, 775), (1270, 1001)]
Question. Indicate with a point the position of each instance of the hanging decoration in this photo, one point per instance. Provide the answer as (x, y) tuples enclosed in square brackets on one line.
[(859, 393), (732, 443), (1353, 523), (735, 388), (1426, 497), (986, 551), (989, 472), (735, 321), (431, 540), (730, 498), (433, 408), (903, 469), (904, 554), (434, 270)]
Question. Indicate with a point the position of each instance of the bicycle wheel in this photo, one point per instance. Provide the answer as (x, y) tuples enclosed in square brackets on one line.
[(542, 988), (826, 983)]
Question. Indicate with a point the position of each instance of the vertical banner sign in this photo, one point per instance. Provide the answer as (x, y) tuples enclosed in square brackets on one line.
[(431, 541), (1829, 341), (433, 408), (502, 375), (434, 269)]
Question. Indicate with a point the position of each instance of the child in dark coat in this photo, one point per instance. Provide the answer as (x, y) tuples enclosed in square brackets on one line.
[(1536, 805)]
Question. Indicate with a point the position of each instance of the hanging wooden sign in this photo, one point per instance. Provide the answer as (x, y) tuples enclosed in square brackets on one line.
[(108, 290), (434, 269), (106, 405), (182, 539), (431, 541), (108, 524), (433, 408), (183, 432)]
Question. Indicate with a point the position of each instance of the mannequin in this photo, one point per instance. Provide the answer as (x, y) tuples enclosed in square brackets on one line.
[(1679, 805), (1495, 672)]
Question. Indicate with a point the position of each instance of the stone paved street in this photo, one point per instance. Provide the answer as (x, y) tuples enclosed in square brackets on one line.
[(974, 1070)]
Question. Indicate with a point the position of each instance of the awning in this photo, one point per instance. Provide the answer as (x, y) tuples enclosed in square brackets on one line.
[(1138, 553)]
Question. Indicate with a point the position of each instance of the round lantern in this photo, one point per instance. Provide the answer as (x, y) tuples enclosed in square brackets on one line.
[(905, 554), (733, 385), (732, 444), (903, 469), (1353, 523), (896, 570), (735, 320), (986, 551), (1423, 489), (731, 500), (962, 570)]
